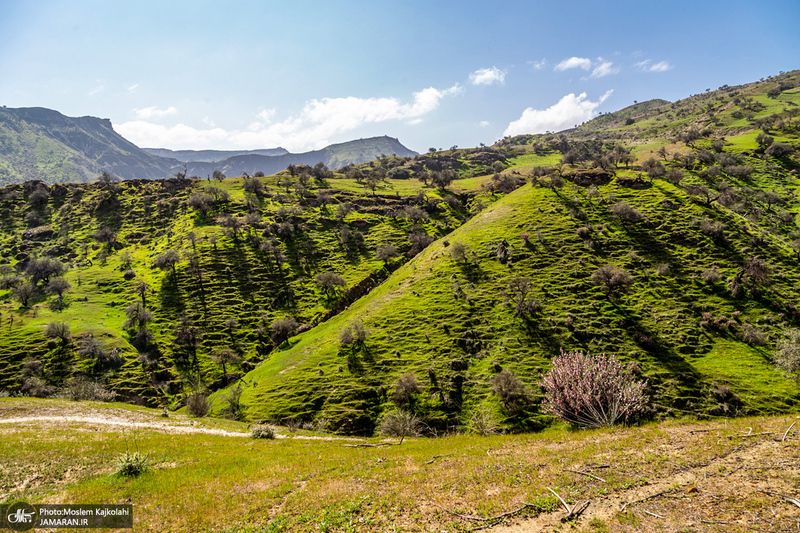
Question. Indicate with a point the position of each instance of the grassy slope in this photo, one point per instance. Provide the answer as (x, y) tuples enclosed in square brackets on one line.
[(204, 483), (446, 322), (427, 315)]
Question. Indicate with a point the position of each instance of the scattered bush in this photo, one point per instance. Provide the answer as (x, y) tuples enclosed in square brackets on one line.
[(330, 282), (82, 388), (234, 408), (612, 280), (511, 391), (405, 389), (787, 353), (197, 405), (354, 335), (282, 329), (483, 422), (401, 424), (262, 431), (58, 330), (626, 213), (752, 335), (711, 275), (593, 391), (460, 252)]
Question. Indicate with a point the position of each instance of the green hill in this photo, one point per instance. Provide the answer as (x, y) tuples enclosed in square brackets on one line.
[(494, 260)]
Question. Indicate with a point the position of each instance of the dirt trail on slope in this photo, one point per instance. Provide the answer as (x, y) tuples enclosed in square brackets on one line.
[(114, 418)]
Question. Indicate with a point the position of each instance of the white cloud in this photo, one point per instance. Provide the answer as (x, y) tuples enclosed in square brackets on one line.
[(313, 128), (661, 66), (484, 123), (538, 65), (570, 110), (488, 76), (574, 62), (154, 112), (132, 88), (605, 68), (97, 90)]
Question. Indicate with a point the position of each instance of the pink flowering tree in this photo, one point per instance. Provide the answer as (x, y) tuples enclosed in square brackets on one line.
[(592, 391)]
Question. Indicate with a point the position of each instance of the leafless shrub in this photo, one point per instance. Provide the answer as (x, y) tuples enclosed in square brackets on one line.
[(752, 335), (197, 405), (400, 424), (405, 389)]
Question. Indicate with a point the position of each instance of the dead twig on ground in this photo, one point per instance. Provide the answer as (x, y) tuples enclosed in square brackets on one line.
[(652, 514), (437, 457), (497, 518), (643, 499), (573, 513), (752, 434), (585, 474), (794, 501), (788, 430), (371, 445)]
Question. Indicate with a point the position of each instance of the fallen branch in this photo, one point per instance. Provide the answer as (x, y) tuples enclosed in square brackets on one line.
[(371, 445), (437, 457), (585, 474), (787, 498), (752, 434), (652, 514), (490, 519), (643, 499), (788, 430), (573, 513), (560, 498)]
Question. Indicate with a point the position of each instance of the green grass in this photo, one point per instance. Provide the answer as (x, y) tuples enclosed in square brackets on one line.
[(214, 483), (448, 322)]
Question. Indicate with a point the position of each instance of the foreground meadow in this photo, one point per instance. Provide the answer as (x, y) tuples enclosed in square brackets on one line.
[(210, 475)]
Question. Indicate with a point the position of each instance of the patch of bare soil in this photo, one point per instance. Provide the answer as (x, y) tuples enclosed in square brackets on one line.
[(756, 487)]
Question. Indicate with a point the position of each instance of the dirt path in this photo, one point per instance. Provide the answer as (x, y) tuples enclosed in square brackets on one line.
[(115, 418)]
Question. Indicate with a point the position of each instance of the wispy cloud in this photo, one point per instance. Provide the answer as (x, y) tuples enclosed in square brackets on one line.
[(483, 123), (570, 110), (132, 88), (604, 68), (314, 127), (648, 66), (488, 76), (538, 65), (153, 112), (97, 90), (574, 62)]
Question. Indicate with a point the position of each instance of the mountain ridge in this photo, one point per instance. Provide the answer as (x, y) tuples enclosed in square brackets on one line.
[(43, 144)]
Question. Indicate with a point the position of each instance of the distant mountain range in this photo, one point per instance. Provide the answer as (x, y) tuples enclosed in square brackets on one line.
[(42, 144), (209, 156)]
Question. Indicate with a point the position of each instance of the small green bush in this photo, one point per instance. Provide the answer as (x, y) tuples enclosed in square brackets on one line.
[(262, 431), (132, 464)]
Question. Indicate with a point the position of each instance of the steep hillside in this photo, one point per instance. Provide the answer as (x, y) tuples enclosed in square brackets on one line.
[(41, 144), (673, 247)]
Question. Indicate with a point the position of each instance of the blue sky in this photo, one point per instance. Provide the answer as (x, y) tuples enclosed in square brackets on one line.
[(302, 74)]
